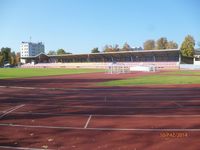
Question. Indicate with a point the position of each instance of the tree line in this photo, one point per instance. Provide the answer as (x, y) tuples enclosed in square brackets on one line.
[(187, 47), (161, 43), (9, 57), (58, 52), (115, 48)]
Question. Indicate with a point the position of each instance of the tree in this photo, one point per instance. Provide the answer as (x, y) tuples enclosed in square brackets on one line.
[(110, 48), (18, 58), (116, 48), (95, 50), (107, 48), (149, 45), (51, 52), (12, 59), (161, 43), (126, 47), (61, 51), (7, 56), (187, 47), (137, 48), (172, 45), (6, 53), (1, 60)]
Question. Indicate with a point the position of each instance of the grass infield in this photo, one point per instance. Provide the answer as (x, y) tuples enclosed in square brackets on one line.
[(154, 80), (33, 72), (183, 72)]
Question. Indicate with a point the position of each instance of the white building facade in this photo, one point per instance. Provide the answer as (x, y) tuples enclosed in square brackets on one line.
[(28, 49)]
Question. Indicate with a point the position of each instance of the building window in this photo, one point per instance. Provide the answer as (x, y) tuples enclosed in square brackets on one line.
[(197, 59)]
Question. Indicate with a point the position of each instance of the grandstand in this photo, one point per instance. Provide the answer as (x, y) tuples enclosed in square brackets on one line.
[(161, 59)]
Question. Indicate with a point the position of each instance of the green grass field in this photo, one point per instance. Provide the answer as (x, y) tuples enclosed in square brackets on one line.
[(162, 79), (33, 72), (183, 72)]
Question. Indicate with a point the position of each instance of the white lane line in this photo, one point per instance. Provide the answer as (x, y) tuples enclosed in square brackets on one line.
[(89, 118), (101, 115), (100, 89), (22, 148), (179, 105), (100, 106), (103, 106), (10, 111), (103, 129), (145, 129), (18, 87), (4, 111), (110, 101)]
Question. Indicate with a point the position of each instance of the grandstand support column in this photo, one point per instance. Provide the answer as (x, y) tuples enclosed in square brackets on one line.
[(154, 58), (137, 58), (112, 59), (88, 58), (179, 59), (131, 58)]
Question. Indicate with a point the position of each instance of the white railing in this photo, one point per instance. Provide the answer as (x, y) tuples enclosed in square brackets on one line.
[(158, 65)]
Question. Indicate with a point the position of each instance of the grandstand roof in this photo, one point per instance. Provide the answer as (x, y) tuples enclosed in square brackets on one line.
[(121, 56), (120, 52), (107, 53)]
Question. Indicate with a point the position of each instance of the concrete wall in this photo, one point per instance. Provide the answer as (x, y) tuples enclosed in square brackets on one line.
[(196, 61), (189, 67)]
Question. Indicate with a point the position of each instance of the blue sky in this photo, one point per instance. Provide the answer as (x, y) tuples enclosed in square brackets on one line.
[(80, 25)]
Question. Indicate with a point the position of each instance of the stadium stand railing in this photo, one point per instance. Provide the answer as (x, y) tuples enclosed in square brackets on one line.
[(158, 65)]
